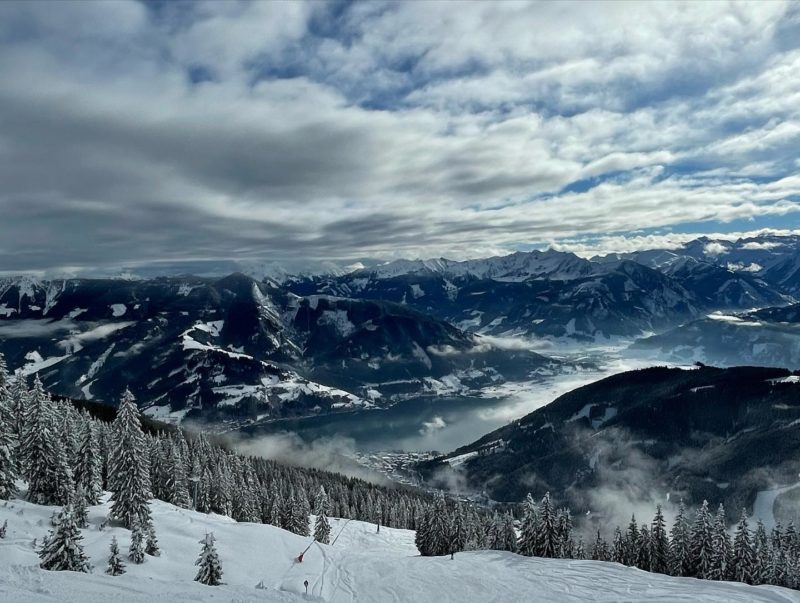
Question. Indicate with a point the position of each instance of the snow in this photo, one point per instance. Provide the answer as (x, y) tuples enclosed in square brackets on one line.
[(118, 310), (36, 363), (417, 291), (455, 461), (736, 319), (213, 328), (789, 379), (185, 289), (258, 562), (5, 311)]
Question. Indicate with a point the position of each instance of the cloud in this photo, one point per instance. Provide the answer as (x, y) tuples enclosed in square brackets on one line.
[(432, 426), (714, 249), (329, 454), (384, 130)]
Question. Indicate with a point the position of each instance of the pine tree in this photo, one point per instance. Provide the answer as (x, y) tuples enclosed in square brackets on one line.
[(701, 548), (9, 468), (631, 547), (565, 544), (19, 403), (680, 543), (422, 536), (129, 476), (46, 469), (115, 565), (62, 550), (136, 549), (322, 529), (761, 565), (643, 550), (508, 536), (529, 528), (210, 571), (721, 552), (618, 547), (547, 537), (80, 511), (600, 549), (659, 544), (460, 531), (151, 546), (580, 550), (4, 529), (89, 470)]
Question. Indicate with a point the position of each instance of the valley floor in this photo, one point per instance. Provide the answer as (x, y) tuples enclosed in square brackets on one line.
[(259, 565)]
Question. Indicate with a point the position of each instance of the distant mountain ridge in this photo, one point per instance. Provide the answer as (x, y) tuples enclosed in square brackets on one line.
[(558, 294), (235, 350)]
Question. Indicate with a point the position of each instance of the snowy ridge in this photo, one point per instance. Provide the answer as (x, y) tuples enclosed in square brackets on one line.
[(258, 563)]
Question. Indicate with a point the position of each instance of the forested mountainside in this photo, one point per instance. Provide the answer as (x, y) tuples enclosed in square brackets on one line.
[(706, 433)]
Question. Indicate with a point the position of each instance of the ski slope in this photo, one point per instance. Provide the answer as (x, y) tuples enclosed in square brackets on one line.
[(259, 565)]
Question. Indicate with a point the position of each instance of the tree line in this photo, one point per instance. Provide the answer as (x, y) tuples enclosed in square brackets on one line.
[(698, 547)]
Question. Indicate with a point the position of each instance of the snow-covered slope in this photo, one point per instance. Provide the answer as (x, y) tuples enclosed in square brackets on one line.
[(258, 562)]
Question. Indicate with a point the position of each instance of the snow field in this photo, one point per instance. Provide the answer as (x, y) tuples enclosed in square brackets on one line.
[(259, 564)]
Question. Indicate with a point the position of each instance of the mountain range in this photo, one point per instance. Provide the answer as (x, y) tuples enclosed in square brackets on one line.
[(235, 350), (726, 435)]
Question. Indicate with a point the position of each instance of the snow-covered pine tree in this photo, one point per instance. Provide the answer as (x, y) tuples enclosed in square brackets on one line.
[(89, 470), (508, 535), (701, 548), (680, 543), (177, 483), (210, 570), (565, 544), (4, 529), (460, 531), (529, 528), (721, 552), (80, 512), (659, 544), (618, 552), (9, 467), (296, 519), (644, 549), (440, 527), (599, 549), (19, 403), (547, 538), (136, 548), (62, 550), (631, 548), (580, 550), (322, 528), (761, 555), (422, 536), (151, 545), (115, 565), (129, 475), (46, 468)]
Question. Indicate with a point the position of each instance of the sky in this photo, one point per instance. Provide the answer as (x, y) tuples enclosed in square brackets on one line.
[(154, 133)]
